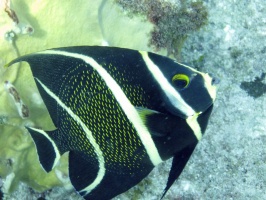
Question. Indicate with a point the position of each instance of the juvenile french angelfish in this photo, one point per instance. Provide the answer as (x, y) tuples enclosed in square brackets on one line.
[(118, 112)]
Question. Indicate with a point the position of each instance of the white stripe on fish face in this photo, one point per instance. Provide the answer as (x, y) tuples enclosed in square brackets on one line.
[(194, 125), (176, 100)]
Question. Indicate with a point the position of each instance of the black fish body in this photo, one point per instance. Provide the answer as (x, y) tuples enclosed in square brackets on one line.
[(119, 113)]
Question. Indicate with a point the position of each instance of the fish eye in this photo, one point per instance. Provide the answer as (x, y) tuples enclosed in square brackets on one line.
[(180, 81)]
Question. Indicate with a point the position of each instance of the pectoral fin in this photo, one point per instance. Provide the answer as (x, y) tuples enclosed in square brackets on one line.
[(154, 121)]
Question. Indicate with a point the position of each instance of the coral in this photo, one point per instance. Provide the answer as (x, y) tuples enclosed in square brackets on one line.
[(172, 21)]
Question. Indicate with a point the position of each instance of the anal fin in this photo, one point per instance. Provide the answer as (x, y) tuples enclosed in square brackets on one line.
[(83, 169), (93, 183)]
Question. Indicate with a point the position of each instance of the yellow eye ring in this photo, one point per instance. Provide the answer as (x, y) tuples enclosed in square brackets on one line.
[(180, 81)]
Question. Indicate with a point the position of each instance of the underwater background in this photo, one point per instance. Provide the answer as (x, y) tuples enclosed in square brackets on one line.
[(224, 38)]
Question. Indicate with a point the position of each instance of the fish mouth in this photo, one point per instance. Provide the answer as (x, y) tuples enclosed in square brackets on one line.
[(215, 81)]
